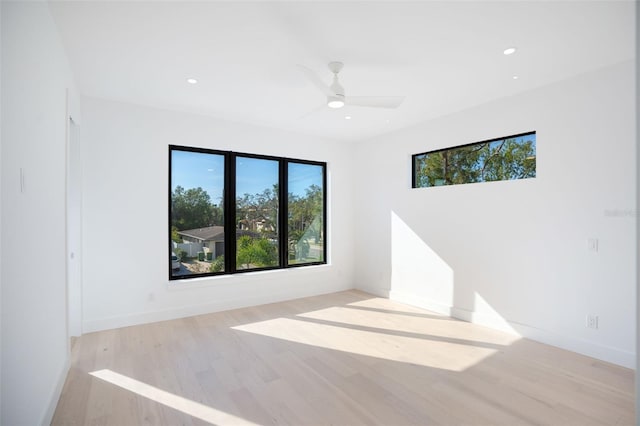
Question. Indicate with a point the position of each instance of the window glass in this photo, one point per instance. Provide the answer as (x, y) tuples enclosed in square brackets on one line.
[(231, 212), (508, 158), (197, 213), (305, 207), (257, 206)]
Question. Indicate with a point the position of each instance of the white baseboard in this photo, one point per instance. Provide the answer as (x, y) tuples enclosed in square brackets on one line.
[(421, 302), (376, 291), (57, 391), (490, 321), (109, 323), (584, 347), (605, 353)]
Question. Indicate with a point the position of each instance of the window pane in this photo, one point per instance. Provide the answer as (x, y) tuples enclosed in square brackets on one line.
[(197, 219), (257, 186), (306, 213), (509, 158)]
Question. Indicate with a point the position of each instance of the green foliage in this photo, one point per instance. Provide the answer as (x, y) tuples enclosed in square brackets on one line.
[(298, 245), (180, 253), (505, 159), (255, 252), (218, 264), (306, 214), (174, 235), (306, 218), (510, 160), (302, 248), (192, 208), (259, 212)]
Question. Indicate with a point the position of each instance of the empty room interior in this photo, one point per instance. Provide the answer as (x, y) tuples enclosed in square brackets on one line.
[(358, 212)]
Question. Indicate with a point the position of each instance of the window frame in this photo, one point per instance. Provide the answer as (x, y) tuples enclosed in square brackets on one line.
[(413, 158), (229, 197)]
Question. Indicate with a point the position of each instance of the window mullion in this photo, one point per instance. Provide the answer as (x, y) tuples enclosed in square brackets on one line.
[(230, 213), (283, 212)]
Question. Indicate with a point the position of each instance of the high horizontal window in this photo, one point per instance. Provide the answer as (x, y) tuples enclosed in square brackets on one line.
[(506, 158), (231, 212)]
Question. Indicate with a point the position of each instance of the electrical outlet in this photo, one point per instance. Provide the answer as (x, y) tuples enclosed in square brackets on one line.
[(592, 244), (592, 321)]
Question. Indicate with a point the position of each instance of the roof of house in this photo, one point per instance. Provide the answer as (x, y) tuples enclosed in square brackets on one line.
[(210, 233)]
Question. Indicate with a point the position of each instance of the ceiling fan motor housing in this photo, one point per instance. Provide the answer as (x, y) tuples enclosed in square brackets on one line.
[(335, 66)]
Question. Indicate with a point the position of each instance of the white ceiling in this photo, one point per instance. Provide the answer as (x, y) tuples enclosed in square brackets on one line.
[(443, 56)]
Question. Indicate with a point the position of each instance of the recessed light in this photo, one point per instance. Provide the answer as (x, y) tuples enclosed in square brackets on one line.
[(509, 51), (347, 117), (192, 81), (515, 77)]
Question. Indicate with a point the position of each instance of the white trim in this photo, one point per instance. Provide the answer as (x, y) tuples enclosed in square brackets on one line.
[(490, 321), (376, 291), (200, 309), (246, 277), (421, 302), (605, 353), (57, 391)]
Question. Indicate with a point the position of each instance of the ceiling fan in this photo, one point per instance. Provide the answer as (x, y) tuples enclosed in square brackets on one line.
[(336, 95)]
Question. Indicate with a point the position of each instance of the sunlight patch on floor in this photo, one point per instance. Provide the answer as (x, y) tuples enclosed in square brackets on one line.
[(408, 323), (187, 406), (408, 347), (393, 307)]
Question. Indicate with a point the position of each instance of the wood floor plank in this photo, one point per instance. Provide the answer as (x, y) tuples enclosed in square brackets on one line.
[(346, 358)]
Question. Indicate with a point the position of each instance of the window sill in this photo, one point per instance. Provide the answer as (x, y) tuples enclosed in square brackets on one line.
[(272, 274)]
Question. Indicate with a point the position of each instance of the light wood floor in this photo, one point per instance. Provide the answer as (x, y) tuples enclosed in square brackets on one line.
[(343, 359)]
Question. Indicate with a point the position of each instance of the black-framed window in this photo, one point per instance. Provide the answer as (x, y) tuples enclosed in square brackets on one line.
[(233, 212), (506, 158)]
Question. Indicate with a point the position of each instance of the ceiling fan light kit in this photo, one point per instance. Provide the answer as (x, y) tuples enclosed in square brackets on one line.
[(335, 93), (335, 102)]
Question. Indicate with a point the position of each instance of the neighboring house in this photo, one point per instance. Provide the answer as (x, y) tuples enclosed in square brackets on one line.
[(256, 225), (210, 238)]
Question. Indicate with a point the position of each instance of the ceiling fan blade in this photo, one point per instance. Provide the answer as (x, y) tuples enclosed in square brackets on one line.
[(313, 78), (375, 101), (313, 111)]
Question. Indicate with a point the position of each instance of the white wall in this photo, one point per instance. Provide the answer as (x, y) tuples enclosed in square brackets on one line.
[(0, 217), (637, 215), (125, 202), (513, 255), (35, 77)]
